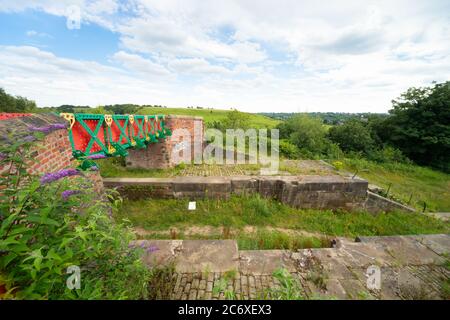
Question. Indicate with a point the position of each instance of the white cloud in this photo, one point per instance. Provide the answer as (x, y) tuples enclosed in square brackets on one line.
[(136, 63), (285, 55)]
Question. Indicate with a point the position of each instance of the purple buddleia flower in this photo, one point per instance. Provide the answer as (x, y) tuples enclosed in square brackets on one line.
[(67, 193), (151, 249), (45, 129), (94, 168), (96, 156), (29, 139), (58, 126), (2, 156), (50, 177), (49, 128)]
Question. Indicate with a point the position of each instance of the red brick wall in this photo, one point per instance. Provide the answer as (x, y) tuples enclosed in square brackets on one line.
[(158, 155), (52, 154)]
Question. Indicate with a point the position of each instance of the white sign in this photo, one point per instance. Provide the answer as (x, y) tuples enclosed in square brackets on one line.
[(192, 205)]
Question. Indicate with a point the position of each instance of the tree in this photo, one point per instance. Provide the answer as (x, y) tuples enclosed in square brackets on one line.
[(306, 132), (9, 103), (353, 135), (419, 125)]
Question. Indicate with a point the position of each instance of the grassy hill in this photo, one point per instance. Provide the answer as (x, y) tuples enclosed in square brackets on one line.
[(408, 182), (209, 115)]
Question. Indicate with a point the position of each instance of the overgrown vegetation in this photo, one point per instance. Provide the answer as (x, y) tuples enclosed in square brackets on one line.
[(9, 103), (252, 210), (412, 184), (58, 221)]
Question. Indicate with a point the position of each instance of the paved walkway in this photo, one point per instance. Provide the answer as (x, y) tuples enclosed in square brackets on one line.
[(412, 267)]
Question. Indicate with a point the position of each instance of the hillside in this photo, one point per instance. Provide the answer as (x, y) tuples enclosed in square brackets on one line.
[(210, 115)]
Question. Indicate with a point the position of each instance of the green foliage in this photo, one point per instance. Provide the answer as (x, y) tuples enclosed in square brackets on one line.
[(288, 149), (307, 133), (352, 136), (388, 154), (42, 233), (410, 183), (267, 240), (289, 288), (9, 103), (238, 212), (233, 120), (419, 125)]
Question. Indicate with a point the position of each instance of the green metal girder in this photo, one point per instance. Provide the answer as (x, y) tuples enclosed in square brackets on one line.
[(141, 139)]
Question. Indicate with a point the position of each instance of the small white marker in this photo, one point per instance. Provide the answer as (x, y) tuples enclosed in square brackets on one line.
[(192, 205)]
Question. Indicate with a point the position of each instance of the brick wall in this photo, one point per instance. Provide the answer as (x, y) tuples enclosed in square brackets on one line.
[(159, 155), (51, 154)]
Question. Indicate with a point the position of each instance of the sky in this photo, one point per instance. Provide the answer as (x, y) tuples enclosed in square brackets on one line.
[(252, 55)]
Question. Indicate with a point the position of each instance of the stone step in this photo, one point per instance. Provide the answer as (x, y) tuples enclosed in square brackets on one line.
[(192, 255)]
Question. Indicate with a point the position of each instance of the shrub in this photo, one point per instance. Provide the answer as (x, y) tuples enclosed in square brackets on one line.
[(388, 154), (50, 224), (289, 150), (353, 135)]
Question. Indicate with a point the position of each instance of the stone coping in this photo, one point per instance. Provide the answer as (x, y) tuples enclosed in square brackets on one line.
[(226, 179)]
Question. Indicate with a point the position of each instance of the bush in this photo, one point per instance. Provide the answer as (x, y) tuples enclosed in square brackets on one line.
[(352, 136), (50, 224), (388, 154), (288, 149), (307, 133)]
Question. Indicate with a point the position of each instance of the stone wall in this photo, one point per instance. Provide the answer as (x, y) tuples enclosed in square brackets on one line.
[(376, 203), (319, 192), (158, 155)]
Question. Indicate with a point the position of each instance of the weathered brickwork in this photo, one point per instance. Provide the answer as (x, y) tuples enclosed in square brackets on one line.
[(50, 154), (158, 155)]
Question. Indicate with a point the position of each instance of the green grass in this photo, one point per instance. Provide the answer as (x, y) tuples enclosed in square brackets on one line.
[(260, 240), (113, 167), (424, 184), (257, 121), (241, 211)]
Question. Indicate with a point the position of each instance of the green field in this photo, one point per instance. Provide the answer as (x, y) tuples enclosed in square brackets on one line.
[(209, 115), (408, 182)]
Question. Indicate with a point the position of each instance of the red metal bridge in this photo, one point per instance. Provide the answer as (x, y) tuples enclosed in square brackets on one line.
[(94, 136), (97, 135)]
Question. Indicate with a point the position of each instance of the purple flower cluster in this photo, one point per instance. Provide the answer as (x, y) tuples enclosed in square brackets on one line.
[(96, 156), (94, 168), (67, 193), (49, 128), (2, 155), (29, 139), (143, 245), (50, 177)]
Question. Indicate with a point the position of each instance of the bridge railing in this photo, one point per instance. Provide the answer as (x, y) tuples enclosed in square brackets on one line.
[(102, 135)]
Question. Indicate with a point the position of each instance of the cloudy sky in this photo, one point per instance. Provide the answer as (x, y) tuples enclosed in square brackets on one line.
[(280, 55)]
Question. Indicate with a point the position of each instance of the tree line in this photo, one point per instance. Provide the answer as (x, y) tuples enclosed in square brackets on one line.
[(416, 129)]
